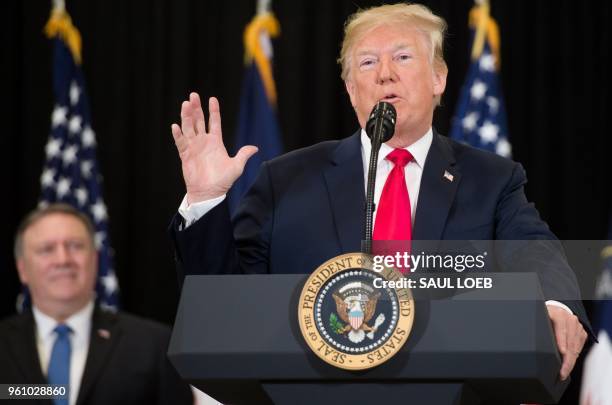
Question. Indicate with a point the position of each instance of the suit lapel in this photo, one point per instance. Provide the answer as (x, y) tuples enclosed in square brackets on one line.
[(105, 334), (22, 339), (344, 180), (437, 191)]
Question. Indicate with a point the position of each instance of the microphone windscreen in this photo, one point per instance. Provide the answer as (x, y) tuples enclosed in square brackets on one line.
[(383, 113)]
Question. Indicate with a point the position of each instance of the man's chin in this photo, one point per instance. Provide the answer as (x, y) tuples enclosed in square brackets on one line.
[(68, 294)]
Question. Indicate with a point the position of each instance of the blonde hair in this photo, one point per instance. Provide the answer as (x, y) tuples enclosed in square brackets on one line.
[(416, 15)]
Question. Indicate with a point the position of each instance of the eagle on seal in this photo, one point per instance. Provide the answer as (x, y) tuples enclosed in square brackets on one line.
[(357, 314)]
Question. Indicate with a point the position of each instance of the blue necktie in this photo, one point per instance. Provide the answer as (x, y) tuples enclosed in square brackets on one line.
[(59, 364)]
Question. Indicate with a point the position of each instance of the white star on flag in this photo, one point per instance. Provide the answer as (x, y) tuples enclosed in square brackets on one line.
[(63, 187), (53, 148), (75, 93), (81, 195), (488, 132), (493, 104), (74, 125), (470, 121), (86, 166), (88, 137), (69, 155), (604, 285), (58, 117), (98, 210), (478, 90), (503, 148), (487, 62), (109, 282), (46, 179)]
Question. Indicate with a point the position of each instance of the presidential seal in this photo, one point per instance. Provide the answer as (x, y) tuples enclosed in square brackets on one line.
[(348, 322)]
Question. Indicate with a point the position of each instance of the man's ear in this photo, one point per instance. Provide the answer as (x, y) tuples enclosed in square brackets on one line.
[(23, 274), (439, 80), (350, 89)]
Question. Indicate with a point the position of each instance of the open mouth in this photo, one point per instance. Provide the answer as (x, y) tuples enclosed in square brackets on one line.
[(390, 98)]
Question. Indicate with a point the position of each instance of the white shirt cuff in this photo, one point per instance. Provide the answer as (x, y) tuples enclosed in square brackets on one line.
[(192, 212), (559, 304)]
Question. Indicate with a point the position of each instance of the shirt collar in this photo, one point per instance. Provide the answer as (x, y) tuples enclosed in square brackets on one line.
[(79, 322), (418, 149)]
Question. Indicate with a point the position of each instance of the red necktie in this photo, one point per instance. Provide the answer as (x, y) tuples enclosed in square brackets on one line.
[(393, 212)]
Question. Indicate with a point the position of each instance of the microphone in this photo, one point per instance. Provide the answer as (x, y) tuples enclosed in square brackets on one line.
[(380, 128), (381, 123)]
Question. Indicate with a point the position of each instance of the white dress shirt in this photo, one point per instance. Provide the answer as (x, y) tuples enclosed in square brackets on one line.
[(80, 324), (412, 172)]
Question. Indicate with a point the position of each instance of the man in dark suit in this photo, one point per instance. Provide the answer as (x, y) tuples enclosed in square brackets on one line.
[(307, 206), (103, 357)]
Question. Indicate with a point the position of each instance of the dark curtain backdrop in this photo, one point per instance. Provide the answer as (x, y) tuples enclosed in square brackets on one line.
[(142, 58)]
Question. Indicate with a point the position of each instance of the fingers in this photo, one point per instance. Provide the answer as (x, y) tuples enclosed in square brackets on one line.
[(192, 117), (214, 117), (576, 336), (198, 113), (187, 120), (569, 361), (244, 154), (570, 337), (580, 338), (560, 330), (176, 132)]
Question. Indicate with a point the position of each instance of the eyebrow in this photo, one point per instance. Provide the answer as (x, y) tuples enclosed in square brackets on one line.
[(397, 47)]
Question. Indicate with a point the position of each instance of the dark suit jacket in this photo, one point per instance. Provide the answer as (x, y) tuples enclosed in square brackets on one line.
[(127, 367), (307, 206)]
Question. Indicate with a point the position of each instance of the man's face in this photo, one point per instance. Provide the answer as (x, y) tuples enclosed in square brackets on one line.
[(58, 262), (392, 63)]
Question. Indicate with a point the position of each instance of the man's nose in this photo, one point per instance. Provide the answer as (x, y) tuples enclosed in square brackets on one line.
[(62, 254), (386, 72)]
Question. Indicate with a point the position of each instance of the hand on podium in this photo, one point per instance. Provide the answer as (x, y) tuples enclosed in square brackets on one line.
[(570, 337)]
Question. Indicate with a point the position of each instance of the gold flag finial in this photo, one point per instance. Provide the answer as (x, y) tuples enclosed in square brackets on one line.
[(60, 25)]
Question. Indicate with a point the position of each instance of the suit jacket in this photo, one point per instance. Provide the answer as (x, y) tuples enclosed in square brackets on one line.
[(307, 206), (127, 365)]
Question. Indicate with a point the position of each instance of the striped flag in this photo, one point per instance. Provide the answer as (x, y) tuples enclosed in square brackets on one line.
[(597, 374), (71, 174), (257, 122), (480, 118)]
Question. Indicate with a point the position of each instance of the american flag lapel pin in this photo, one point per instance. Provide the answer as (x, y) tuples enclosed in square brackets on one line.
[(104, 333), (448, 176)]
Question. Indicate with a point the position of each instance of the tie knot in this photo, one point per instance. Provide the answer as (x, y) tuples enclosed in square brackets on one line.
[(62, 330), (400, 157)]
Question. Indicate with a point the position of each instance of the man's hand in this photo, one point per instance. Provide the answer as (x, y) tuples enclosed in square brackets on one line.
[(208, 170), (570, 337)]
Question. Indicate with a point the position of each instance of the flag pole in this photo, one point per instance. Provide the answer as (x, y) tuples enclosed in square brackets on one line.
[(60, 25), (481, 27), (263, 6), (485, 29), (58, 5)]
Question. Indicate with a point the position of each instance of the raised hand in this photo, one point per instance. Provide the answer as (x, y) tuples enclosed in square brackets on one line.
[(208, 170)]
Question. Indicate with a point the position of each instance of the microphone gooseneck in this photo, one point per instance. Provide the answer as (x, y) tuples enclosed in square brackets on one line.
[(379, 128)]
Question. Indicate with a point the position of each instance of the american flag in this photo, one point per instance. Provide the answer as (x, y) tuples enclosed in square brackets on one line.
[(597, 374), (257, 122), (480, 118), (71, 173)]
